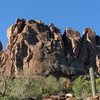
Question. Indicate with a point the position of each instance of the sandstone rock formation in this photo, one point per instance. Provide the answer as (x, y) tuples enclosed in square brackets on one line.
[(81, 52), (34, 48)]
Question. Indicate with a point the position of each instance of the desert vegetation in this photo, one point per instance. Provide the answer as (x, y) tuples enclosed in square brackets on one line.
[(40, 87)]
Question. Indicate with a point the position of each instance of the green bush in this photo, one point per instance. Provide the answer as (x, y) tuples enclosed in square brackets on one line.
[(38, 87), (65, 84), (18, 87), (98, 85), (52, 86), (8, 98), (45, 86), (35, 88), (21, 87), (81, 87)]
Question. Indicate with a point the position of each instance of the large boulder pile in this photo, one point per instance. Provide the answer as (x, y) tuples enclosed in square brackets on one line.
[(34, 48)]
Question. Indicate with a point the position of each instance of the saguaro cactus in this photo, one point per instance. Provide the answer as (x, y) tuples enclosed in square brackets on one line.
[(93, 83)]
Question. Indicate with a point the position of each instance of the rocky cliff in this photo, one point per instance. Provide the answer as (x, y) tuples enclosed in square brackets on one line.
[(34, 48)]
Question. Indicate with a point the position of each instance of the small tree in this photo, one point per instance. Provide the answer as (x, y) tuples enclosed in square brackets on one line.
[(81, 87)]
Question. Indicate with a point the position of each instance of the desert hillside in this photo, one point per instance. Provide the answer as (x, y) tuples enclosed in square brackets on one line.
[(34, 48)]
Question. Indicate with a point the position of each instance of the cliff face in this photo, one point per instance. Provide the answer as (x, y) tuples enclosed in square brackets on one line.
[(81, 52), (34, 48)]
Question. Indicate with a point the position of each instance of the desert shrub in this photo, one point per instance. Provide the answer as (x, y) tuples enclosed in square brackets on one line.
[(8, 98), (35, 88), (81, 87), (46, 86), (98, 85), (65, 84), (52, 86), (18, 87), (38, 87)]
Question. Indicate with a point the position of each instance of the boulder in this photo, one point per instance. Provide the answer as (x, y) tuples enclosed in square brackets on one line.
[(61, 97), (94, 98)]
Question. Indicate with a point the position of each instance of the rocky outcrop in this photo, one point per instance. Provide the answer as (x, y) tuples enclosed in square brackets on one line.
[(34, 48), (68, 96), (98, 62), (81, 52), (94, 98)]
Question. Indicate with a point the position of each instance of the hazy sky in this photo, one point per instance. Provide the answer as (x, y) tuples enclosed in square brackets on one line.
[(77, 14)]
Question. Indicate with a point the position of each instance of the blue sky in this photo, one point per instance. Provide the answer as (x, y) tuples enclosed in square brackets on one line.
[(77, 14)]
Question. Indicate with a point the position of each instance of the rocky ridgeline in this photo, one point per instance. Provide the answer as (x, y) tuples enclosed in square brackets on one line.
[(34, 48)]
